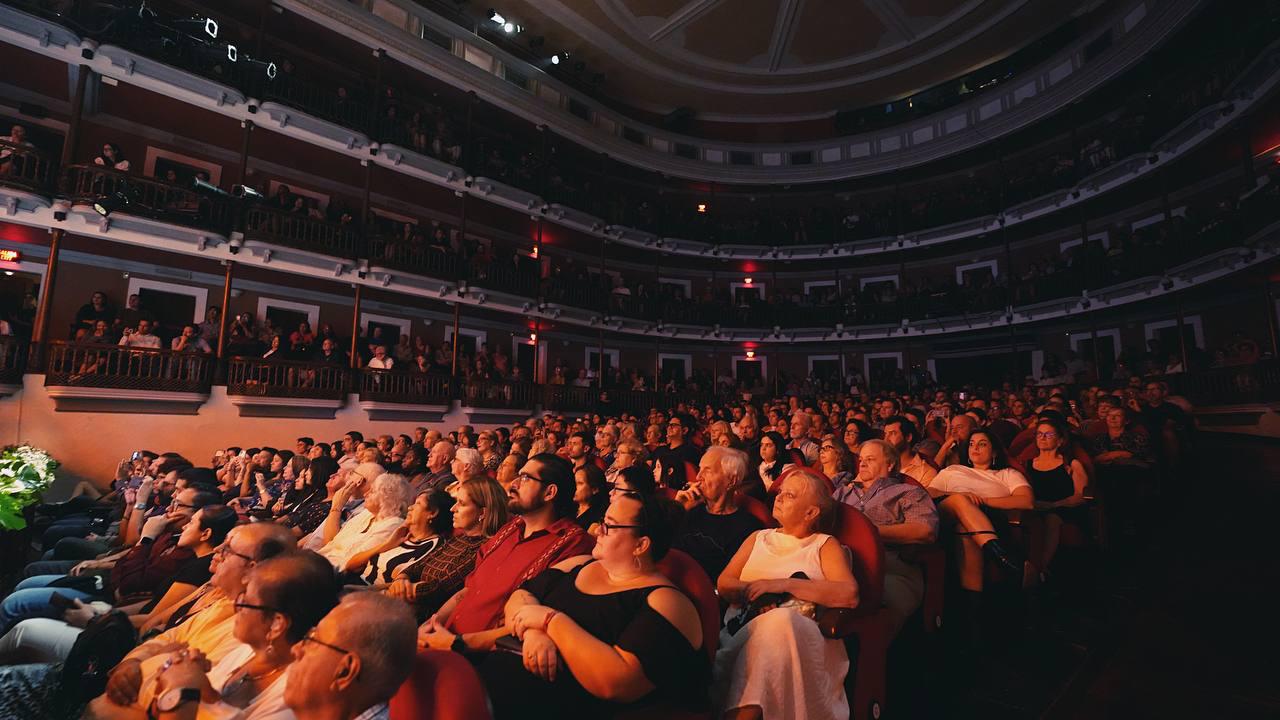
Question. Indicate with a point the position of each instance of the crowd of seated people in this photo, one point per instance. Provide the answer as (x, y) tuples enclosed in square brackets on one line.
[(557, 554)]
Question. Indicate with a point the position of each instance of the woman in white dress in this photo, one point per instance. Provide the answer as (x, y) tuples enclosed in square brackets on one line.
[(778, 664)]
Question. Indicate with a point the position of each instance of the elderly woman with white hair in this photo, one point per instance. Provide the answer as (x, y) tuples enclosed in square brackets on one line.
[(467, 463), (385, 503), (774, 660)]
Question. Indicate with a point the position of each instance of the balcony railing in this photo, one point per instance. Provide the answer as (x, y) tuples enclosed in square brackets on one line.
[(412, 257), (24, 167), (405, 387), (13, 359), (301, 231), (286, 379), (113, 366), (136, 195), (508, 395), (1259, 382)]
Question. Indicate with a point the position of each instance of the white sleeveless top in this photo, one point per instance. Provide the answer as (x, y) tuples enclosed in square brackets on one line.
[(777, 555)]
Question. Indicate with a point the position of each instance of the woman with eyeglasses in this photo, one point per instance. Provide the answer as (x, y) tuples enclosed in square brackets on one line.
[(604, 633), (628, 454), (972, 498), (836, 460), (283, 599), (479, 509), (1058, 481), (486, 443), (856, 432)]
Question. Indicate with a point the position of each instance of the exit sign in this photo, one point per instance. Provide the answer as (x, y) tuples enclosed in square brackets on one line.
[(9, 259)]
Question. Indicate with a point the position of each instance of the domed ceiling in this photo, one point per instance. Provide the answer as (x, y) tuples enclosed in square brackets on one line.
[(777, 60)]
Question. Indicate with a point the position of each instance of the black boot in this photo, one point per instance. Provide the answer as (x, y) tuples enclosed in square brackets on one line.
[(994, 550)]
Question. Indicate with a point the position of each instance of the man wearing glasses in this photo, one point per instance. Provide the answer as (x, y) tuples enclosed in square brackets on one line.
[(205, 623), (542, 534), (678, 451), (353, 661)]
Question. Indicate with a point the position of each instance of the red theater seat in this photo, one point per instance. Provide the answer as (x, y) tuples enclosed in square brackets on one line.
[(441, 686)]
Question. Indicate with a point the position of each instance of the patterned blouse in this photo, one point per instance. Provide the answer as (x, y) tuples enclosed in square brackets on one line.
[(441, 573)]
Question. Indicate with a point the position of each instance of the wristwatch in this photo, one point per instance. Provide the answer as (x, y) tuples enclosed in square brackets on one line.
[(175, 698), (458, 645)]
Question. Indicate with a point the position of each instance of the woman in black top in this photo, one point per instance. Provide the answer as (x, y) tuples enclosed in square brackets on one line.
[(1058, 481), (609, 626), (310, 506)]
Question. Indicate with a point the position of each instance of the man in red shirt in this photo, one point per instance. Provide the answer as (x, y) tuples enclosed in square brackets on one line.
[(542, 534)]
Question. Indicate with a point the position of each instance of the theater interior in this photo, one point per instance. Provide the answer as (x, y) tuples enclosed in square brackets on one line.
[(893, 354)]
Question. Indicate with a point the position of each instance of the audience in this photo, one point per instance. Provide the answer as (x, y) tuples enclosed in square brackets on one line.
[(551, 630)]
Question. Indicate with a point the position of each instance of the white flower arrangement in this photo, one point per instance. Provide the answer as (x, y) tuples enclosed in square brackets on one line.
[(25, 473)]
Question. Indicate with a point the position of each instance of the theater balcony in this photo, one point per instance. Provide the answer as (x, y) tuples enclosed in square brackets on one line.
[(109, 378)]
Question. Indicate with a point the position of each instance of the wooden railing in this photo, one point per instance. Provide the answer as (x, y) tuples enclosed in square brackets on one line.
[(402, 255), (147, 197), (113, 366), (1259, 382), (301, 232), (405, 387), (24, 167), (285, 378), (512, 395)]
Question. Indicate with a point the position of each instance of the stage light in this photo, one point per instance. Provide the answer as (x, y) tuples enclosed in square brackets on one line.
[(533, 337), (751, 354), (746, 281), (207, 188), (510, 28), (108, 204), (244, 192), (702, 207), (496, 17), (272, 71), (232, 54), (211, 28)]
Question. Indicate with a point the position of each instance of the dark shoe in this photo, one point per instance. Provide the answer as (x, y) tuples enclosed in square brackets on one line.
[(1001, 556)]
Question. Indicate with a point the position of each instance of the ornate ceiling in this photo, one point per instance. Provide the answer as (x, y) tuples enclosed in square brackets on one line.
[(762, 60)]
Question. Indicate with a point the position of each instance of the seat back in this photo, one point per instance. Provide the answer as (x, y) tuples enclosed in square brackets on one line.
[(861, 537), (441, 686), (685, 573), (758, 510)]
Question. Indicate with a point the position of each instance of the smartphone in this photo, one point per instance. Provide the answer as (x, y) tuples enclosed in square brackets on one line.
[(136, 456)]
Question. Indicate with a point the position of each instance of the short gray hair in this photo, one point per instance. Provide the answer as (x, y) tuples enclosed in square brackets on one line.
[(470, 456), (733, 463), (450, 450), (381, 631), (890, 453), (391, 491)]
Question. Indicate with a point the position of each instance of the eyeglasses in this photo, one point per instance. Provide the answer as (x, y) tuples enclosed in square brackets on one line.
[(524, 477), (827, 447), (605, 527), (1048, 435), (176, 504), (226, 550), (241, 605), (310, 637)]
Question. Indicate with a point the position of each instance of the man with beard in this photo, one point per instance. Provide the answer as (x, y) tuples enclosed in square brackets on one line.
[(542, 534)]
